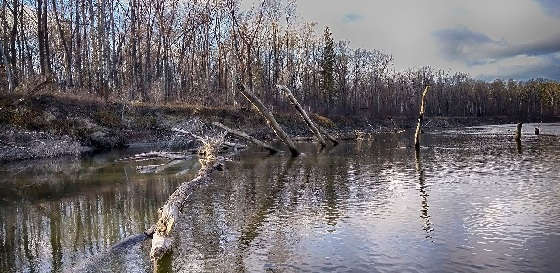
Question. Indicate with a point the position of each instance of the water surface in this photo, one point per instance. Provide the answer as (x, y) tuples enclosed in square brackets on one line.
[(466, 203)]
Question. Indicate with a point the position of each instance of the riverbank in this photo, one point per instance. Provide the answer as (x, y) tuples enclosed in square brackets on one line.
[(57, 125)]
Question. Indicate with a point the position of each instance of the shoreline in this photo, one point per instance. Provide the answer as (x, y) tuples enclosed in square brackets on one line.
[(49, 126)]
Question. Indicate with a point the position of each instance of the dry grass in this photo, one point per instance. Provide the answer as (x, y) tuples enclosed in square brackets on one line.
[(322, 120)]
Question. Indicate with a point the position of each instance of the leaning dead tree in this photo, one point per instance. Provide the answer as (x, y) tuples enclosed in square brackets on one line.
[(315, 129), (420, 119), (162, 231), (243, 135), (270, 120)]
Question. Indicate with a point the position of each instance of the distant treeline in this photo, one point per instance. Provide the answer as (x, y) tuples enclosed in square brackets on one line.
[(194, 52)]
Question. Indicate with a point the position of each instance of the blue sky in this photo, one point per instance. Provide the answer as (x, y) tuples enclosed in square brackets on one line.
[(488, 39)]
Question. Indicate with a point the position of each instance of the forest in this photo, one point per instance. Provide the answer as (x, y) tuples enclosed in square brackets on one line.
[(194, 52)]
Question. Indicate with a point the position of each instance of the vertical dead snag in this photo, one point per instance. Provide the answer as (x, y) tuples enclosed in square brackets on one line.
[(518, 131), (420, 119), (241, 134), (303, 114), (269, 118)]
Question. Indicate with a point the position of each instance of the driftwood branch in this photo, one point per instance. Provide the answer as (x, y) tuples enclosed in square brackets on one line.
[(243, 135), (204, 140), (420, 119), (157, 168), (157, 155), (303, 114), (269, 118)]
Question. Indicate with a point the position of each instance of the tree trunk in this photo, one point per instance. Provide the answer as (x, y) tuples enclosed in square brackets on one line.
[(518, 132), (303, 114), (7, 65), (420, 119), (269, 118), (67, 44)]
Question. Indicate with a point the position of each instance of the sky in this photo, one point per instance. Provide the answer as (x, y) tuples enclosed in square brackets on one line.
[(489, 39)]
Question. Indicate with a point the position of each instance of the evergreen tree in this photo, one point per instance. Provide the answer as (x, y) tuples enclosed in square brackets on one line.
[(327, 66)]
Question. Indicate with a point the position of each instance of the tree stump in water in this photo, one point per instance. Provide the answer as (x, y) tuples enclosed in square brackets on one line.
[(518, 132)]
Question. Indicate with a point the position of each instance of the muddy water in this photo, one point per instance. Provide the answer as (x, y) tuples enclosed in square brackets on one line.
[(466, 203)]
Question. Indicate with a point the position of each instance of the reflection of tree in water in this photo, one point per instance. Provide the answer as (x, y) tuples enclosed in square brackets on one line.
[(424, 214), (55, 234), (332, 209), (250, 230), (59, 231)]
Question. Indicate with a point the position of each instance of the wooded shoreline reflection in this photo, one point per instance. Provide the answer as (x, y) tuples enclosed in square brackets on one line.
[(362, 199)]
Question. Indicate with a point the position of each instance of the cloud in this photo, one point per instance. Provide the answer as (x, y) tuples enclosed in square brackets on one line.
[(466, 45), (352, 17), (521, 67), (551, 7), (476, 48)]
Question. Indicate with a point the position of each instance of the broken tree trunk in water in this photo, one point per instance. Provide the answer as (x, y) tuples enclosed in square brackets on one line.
[(420, 119), (303, 114), (241, 134), (269, 118), (518, 132)]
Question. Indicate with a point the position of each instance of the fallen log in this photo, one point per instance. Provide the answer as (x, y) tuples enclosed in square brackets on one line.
[(420, 119), (157, 155), (302, 113), (161, 233), (270, 120), (241, 134)]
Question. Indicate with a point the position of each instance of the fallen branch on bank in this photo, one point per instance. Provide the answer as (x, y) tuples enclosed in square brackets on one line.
[(203, 140), (243, 135)]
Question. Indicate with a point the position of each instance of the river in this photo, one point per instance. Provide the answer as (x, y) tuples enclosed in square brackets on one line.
[(472, 200)]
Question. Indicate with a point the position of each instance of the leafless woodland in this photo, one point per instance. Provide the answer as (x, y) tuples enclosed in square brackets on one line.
[(194, 52)]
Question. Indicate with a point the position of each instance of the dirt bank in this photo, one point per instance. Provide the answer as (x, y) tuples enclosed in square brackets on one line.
[(56, 125)]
